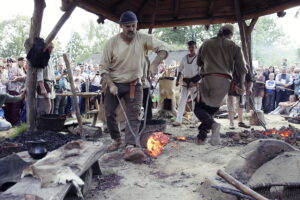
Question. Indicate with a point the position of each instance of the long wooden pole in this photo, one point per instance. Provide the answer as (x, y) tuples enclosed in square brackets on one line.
[(31, 80), (240, 186), (70, 75)]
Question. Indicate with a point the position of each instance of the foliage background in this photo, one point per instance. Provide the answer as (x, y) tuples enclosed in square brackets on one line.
[(270, 44)]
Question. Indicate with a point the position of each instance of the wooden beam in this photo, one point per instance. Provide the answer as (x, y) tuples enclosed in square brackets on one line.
[(114, 7), (153, 16), (93, 7), (143, 4), (252, 24), (31, 80), (211, 7), (176, 8), (188, 22), (239, 19), (60, 23), (73, 90)]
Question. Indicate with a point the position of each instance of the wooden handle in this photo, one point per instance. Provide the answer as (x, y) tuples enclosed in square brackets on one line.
[(70, 75), (245, 189)]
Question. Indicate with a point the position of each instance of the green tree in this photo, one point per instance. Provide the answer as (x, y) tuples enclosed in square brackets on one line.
[(97, 34), (13, 33), (76, 48)]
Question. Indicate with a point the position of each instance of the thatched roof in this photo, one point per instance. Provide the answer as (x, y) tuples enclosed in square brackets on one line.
[(171, 13)]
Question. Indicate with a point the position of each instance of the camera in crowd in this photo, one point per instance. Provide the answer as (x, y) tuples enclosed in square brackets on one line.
[(98, 73)]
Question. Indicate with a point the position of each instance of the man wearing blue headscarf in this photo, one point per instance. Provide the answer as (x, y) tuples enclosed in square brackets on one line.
[(122, 68)]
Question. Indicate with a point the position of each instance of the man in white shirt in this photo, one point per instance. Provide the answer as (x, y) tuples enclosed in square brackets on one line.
[(122, 68), (191, 76)]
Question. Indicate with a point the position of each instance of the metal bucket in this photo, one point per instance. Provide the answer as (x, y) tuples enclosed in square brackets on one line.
[(51, 122)]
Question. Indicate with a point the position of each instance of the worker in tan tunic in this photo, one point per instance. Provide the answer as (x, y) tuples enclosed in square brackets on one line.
[(219, 57), (122, 69)]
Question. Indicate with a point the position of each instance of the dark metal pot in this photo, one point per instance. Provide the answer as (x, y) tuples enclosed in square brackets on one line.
[(37, 149)]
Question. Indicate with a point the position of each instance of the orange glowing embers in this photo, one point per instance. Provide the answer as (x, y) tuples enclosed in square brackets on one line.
[(156, 143), (284, 134), (181, 138)]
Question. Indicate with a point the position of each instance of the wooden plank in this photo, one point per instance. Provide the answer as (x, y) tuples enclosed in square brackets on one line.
[(89, 155)]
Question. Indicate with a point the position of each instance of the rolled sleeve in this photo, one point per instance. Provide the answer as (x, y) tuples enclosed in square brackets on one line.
[(154, 44)]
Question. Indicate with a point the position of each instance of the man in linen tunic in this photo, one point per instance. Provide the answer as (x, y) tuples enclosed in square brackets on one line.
[(122, 69), (219, 58)]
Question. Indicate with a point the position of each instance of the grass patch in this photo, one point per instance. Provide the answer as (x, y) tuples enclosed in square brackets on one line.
[(18, 130)]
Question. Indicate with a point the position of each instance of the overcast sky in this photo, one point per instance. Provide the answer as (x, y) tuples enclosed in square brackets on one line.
[(289, 23)]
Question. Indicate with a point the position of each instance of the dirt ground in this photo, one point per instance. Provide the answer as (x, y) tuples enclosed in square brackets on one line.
[(180, 173), (175, 175)]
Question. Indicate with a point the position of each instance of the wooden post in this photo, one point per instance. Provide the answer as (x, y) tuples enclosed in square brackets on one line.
[(238, 14), (31, 80), (70, 75)]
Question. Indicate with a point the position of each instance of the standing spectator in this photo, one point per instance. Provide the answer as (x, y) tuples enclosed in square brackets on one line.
[(22, 64), (16, 80), (259, 87), (78, 80), (283, 82), (266, 73), (284, 62), (269, 104), (60, 86), (3, 77), (297, 85), (95, 79), (45, 91)]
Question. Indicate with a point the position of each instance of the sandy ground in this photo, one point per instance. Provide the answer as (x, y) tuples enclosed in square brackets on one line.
[(176, 174)]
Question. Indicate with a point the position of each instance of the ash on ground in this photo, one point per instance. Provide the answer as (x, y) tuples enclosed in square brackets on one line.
[(106, 182), (53, 140)]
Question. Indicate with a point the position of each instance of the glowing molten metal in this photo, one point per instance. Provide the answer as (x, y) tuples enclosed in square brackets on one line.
[(156, 143), (181, 138), (284, 134)]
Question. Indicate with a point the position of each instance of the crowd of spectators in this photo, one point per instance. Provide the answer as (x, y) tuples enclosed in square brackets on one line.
[(277, 87), (13, 74)]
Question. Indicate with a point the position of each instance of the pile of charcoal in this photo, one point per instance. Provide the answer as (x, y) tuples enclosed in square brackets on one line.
[(53, 139)]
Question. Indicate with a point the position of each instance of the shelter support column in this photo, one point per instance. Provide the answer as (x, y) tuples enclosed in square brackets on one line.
[(35, 30)]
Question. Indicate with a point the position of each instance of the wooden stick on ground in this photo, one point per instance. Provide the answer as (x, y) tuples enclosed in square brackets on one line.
[(245, 189), (70, 75)]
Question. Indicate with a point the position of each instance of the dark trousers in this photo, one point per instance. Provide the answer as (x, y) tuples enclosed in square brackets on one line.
[(132, 109), (146, 91), (205, 114), (269, 102), (13, 110), (282, 96), (59, 105)]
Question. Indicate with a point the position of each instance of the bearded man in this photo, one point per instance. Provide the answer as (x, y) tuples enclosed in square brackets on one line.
[(122, 69), (219, 57)]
